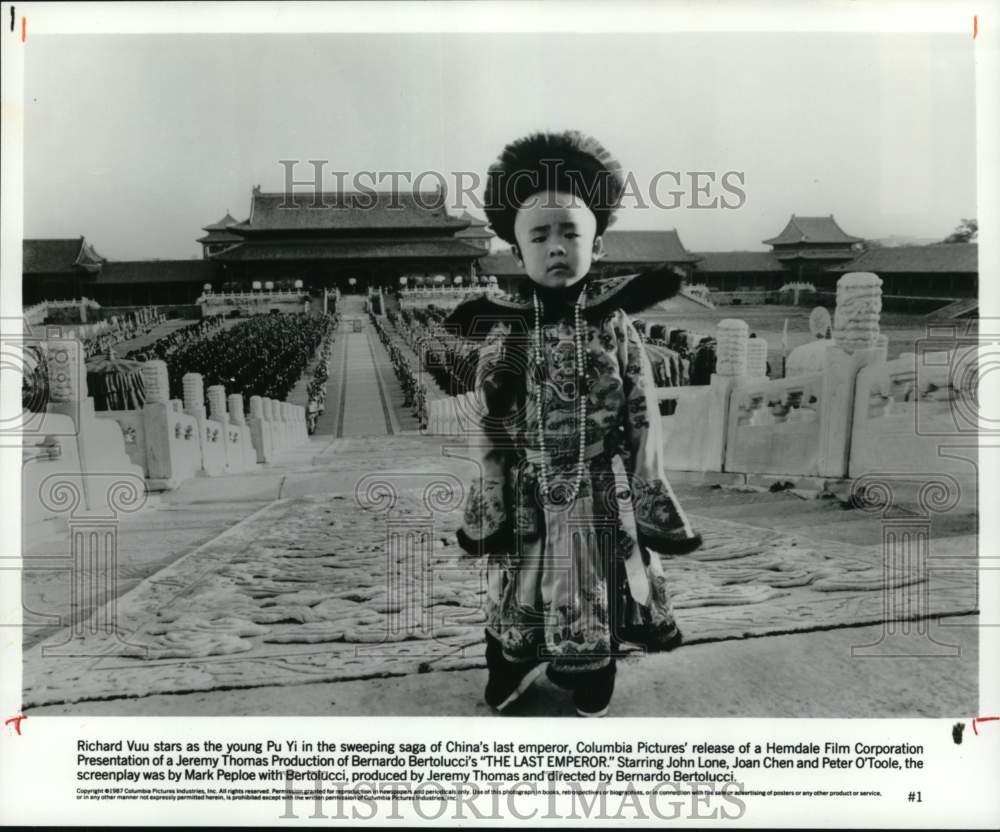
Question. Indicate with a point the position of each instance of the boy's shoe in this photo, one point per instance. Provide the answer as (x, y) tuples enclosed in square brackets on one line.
[(660, 641), (508, 680), (507, 685), (593, 696)]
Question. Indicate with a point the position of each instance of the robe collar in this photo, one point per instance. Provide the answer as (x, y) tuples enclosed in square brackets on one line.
[(474, 318)]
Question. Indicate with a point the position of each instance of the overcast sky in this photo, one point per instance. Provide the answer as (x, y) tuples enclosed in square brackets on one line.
[(138, 141)]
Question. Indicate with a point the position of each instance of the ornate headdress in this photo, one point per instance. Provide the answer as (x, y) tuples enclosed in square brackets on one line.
[(570, 162)]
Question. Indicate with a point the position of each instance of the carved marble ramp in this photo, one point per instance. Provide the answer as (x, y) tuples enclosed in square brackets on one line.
[(327, 588)]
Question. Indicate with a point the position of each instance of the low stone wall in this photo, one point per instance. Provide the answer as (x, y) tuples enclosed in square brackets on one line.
[(857, 415), (252, 303), (748, 297), (917, 414), (777, 426), (76, 460), (694, 430), (444, 296)]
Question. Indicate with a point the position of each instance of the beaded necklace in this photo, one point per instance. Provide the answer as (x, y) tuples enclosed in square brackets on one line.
[(581, 381)]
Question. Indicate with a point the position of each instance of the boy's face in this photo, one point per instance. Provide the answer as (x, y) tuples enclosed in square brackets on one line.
[(556, 242)]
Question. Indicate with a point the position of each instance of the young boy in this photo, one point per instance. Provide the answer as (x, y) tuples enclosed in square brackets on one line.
[(572, 495)]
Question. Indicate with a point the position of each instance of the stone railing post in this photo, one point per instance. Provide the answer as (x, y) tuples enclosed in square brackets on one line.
[(194, 395), (212, 454), (300, 421), (277, 425), (260, 430), (286, 422), (67, 375), (225, 436), (731, 339), (158, 417), (236, 415), (239, 423), (68, 396), (859, 307), (217, 404), (271, 415), (857, 344), (156, 382), (286, 415), (756, 357), (731, 348)]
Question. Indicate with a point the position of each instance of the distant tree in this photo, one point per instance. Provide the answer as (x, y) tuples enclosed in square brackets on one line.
[(966, 232)]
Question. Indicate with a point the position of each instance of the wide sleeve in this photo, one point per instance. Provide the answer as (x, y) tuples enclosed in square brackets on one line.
[(487, 524), (661, 523)]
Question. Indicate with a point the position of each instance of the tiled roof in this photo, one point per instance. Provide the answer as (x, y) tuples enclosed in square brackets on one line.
[(216, 236), (348, 211), (737, 261), (158, 271), (354, 250), (816, 254), (222, 224), (645, 247), (475, 234), (477, 229), (473, 222), (59, 255), (941, 257), (811, 230)]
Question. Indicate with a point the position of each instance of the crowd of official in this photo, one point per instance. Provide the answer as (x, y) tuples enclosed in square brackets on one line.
[(414, 391), (261, 356)]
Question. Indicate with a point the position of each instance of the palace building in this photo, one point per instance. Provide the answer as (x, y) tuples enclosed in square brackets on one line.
[(57, 269), (809, 246), (943, 270), (353, 241), (326, 240), (218, 237)]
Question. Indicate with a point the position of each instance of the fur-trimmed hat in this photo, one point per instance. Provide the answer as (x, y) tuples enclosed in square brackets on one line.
[(570, 162)]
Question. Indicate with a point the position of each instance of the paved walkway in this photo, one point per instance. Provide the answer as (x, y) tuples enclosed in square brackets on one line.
[(364, 407), (362, 396)]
